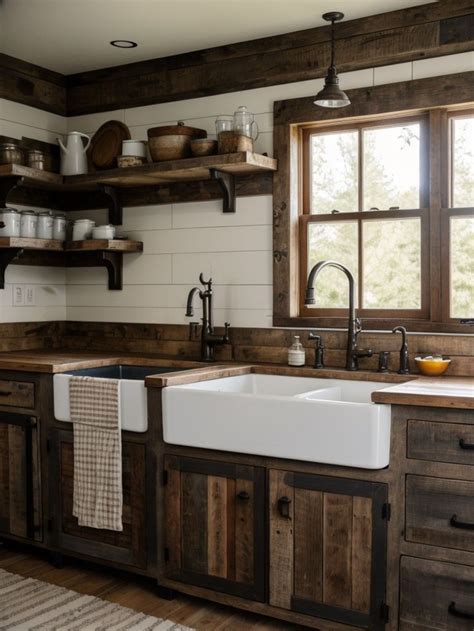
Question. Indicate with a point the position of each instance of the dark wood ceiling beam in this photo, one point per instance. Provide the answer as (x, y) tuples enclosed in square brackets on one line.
[(420, 32), (29, 84), (430, 30)]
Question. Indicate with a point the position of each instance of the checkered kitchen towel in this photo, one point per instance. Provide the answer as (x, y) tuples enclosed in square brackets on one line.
[(98, 496)]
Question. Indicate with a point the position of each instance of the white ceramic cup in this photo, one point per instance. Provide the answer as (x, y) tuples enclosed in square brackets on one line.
[(82, 229), (134, 148), (103, 232)]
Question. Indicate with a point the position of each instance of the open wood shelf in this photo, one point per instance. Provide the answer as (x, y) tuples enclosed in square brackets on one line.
[(223, 168), (106, 253)]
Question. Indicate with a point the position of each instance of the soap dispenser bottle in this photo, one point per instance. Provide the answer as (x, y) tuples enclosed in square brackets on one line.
[(296, 354)]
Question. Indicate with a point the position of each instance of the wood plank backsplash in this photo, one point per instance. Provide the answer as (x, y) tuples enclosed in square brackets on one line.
[(261, 344)]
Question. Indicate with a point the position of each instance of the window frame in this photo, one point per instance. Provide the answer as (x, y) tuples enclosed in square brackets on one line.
[(437, 97), (306, 218)]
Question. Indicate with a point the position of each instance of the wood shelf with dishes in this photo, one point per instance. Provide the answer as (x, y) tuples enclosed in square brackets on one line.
[(106, 253), (222, 167)]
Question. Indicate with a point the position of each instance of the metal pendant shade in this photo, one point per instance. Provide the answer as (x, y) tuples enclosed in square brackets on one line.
[(332, 95)]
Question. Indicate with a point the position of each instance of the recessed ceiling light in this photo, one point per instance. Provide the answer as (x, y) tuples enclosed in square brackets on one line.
[(123, 43)]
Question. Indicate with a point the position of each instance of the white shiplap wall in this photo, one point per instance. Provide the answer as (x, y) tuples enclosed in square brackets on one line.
[(17, 120), (182, 240)]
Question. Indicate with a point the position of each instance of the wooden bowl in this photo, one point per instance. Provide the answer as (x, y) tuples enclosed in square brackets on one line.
[(231, 142), (432, 366), (172, 142), (203, 147)]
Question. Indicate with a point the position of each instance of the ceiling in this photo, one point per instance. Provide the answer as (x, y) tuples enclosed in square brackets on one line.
[(71, 36)]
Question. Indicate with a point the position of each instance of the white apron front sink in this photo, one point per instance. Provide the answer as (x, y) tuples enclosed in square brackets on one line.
[(328, 421)]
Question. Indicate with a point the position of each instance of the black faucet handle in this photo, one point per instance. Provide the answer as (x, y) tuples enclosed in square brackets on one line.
[(319, 350), (315, 336), (384, 357), (226, 332)]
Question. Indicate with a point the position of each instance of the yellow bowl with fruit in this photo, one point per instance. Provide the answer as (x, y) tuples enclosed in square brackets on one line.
[(432, 365)]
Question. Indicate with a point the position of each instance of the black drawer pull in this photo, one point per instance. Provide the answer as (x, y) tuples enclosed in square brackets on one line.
[(284, 507), (243, 495), (464, 445), (460, 524), (7, 393), (460, 613)]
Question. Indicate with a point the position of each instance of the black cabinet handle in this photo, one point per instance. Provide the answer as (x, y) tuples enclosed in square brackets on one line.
[(459, 613), (243, 495), (460, 524), (6, 394), (464, 445), (284, 507)]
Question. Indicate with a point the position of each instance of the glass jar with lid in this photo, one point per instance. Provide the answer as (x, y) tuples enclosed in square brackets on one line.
[(28, 224), (9, 222), (45, 225)]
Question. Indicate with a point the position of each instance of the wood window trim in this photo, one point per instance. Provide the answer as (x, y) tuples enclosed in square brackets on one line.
[(455, 92)]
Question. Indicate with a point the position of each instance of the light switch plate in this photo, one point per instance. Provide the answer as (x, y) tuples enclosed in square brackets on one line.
[(30, 295), (18, 295)]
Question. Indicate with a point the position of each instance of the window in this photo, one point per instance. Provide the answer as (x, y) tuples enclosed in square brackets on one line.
[(392, 199)]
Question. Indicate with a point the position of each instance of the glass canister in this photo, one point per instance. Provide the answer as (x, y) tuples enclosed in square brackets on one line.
[(45, 225), (28, 224), (59, 227), (244, 122), (9, 222), (224, 123)]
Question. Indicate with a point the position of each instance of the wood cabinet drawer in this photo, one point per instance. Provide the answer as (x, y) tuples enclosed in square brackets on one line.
[(436, 596), (440, 512), (441, 442), (17, 393)]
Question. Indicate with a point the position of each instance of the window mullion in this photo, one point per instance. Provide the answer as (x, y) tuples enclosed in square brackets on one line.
[(359, 221)]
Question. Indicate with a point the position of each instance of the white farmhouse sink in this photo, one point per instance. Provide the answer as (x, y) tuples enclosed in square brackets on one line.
[(317, 420), (133, 410)]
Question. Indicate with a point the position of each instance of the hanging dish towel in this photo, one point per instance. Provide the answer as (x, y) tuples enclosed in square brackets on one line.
[(95, 413)]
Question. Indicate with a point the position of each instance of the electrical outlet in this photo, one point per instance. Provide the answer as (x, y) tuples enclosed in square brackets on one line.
[(18, 295), (30, 295)]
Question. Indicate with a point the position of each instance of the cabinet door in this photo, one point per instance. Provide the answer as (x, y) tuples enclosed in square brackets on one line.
[(328, 547), (20, 489), (215, 525), (126, 547)]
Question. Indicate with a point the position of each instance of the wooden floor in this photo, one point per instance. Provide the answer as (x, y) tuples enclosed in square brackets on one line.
[(134, 592)]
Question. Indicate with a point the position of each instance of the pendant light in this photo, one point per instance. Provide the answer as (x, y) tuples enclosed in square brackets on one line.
[(332, 95)]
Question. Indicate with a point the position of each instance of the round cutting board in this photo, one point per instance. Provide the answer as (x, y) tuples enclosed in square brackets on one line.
[(106, 144)]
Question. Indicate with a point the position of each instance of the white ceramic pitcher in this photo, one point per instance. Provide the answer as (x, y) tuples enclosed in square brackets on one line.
[(73, 155)]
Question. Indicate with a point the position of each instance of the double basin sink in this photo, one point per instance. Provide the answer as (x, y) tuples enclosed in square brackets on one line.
[(329, 421)]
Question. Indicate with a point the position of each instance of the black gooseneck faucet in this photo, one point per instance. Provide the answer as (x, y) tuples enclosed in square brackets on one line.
[(404, 368), (354, 325), (208, 338)]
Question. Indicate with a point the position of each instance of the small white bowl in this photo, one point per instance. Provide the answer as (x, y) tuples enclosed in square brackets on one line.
[(103, 232), (134, 148)]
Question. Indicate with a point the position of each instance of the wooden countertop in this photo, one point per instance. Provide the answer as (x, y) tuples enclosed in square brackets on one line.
[(62, 361), (449, 392)]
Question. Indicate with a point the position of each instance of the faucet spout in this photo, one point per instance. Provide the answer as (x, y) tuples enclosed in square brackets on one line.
[(353, 327), (189, 303)]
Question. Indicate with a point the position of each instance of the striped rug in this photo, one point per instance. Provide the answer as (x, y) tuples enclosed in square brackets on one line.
[(26, 603)]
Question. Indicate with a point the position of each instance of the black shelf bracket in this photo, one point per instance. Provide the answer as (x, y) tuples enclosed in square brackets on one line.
[(7, 255), (226, 182), (114, 203), (112, 261), (7, 184)]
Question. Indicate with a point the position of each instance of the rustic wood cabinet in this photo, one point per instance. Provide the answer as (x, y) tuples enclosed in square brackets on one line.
[(20, 485), (328, 539), (128, 547), (215, 525), (436, 596)]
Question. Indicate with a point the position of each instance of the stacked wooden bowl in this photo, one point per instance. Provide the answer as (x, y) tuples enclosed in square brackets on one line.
[(172, 142)]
